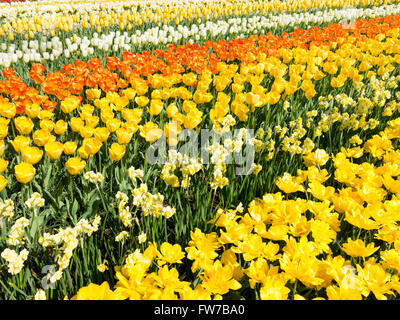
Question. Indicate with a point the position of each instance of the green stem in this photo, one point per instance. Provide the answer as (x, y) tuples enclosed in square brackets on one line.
[(105, 209), (22, 199)]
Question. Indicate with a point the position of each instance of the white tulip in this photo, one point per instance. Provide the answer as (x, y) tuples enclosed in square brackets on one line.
[(26, 58)]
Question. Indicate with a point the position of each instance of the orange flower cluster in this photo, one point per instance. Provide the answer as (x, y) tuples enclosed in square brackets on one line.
[(74, 77), (118, 74), (21, 94)]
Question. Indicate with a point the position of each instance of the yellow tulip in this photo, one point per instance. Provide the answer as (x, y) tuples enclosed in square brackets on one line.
[(189, 106), (113, 124), (8, 109), (3, 165), (41, 137), (92, 121), (101, 133), (253, 99), (317, 158), (32, 155), (86, 110), (20, 142), (3, 183), (70, 147), (116, 151), (2, 147), (171, 131), (124, 135), (132, 125), (156, 106), (32, 111), (47, 124), (192, 119), (70, 103), (130, 93), (54, 149), (132, 115), (221, 82), (75, 165), (151, 132), (24, 172), (142, 101), (23, 124), (172, 110), (93, 94), (60, 127), (189, 79), (76, 124), (83, 153), (240, 110), (92, 145), (3, 130), (106, 114), (86, 131), (45, 114), (121, 102)]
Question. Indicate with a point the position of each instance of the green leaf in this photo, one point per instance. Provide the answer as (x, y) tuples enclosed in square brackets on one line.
[(75, 207), (53, 201), (36, 225)]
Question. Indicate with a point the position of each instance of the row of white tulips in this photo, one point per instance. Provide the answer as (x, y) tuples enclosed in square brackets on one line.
[(53, 48)]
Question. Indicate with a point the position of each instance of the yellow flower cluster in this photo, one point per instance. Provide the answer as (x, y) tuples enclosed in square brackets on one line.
[(151, 204), (279, 242), (7, 209), (93, 177), (15, 261), (135, 174), (35, 201), (16, 234), (293, 72), (187, 166), (68, 238), (123, 210)]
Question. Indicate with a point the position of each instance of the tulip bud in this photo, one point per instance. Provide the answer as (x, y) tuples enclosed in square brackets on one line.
[(47, 124), (2, 147), (60, 127), (8, 109), (54, 149), (156, 106), (76, 124), (3, 165), (20, 142), (41, 137), (70, 147), (75, 165), (3, 183), (116, 151), (24, 172), (32, 155), (124, 135), (23, 124), (92, 146)]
